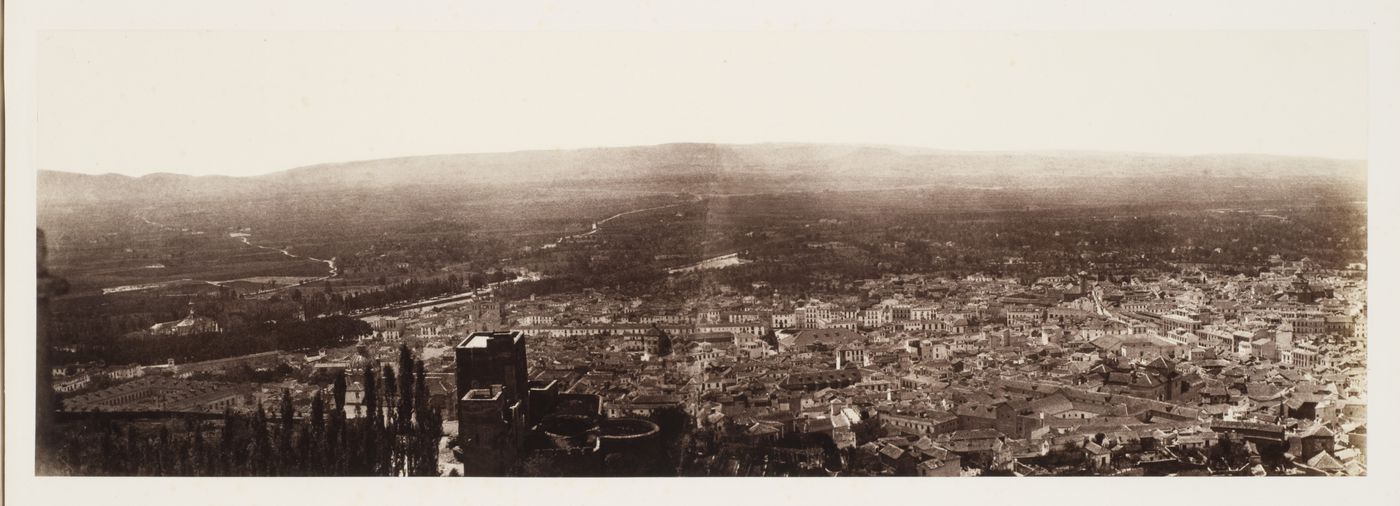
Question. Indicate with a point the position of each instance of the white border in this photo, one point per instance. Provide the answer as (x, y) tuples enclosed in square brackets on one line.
[(25, 18)]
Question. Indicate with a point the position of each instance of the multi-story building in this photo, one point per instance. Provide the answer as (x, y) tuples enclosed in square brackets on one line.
[(1308, 325), (872, 317), (531, 320), (1180, 319), (1024, 316), (852, 355), (1302, 358)]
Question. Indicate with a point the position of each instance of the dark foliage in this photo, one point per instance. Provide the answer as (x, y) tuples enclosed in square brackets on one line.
[(286, 336), (284, 443)]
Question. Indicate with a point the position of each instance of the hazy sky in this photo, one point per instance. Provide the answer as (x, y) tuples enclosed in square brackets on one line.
[(250, 103)]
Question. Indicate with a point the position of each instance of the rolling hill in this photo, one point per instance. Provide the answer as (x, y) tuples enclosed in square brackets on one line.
[(714, 168)]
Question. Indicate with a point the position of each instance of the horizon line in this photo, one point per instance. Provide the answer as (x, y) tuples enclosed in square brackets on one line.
[(1045, 151)]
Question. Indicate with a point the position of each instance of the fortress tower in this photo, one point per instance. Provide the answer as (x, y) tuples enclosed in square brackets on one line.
[(492, 400)]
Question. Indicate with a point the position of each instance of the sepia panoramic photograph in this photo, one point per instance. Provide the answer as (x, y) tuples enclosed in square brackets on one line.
[(697, 254)]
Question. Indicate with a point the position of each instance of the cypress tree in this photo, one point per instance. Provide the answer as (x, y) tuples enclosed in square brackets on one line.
[(314, 462), (392, 453), (199, 456), (428, 428), (403, 420), (284, 435), (261, 458), (421, 396), (335, 458), (369, 455), (382, 444), (338, 390), (318, 414), (371, 397), (288, 411), (165, 455), (406, 388), (391, 389), (227, 461)]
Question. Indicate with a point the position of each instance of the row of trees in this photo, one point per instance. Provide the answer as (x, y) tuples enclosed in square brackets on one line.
[(408, 290), (288, 335), (398, 432)]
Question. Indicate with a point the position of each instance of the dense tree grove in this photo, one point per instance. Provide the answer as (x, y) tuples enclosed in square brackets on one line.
[(274, 440), (799, 245), (287, 336), (102, 320)]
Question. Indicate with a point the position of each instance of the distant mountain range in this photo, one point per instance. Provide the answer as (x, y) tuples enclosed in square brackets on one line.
[(690, 167)]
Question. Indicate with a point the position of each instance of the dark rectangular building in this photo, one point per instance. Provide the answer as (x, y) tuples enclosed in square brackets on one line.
[(493, 360)]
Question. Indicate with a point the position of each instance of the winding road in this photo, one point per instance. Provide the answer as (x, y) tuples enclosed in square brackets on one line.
[(333, 272), (604, 221)]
